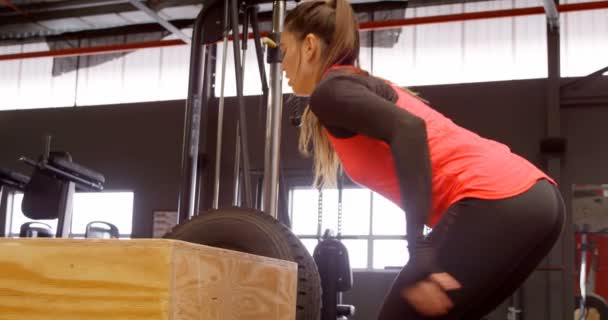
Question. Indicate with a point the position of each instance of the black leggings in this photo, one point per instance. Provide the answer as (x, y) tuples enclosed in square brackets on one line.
[(490, 247)]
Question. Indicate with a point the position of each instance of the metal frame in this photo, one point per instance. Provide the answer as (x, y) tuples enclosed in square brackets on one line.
[(190, 149), (195, 103), (368, 26), (220, 113), (552, 13), (77, 8), (274, 117), (7, 204), (160, 20), (553, 164), (234, 20)]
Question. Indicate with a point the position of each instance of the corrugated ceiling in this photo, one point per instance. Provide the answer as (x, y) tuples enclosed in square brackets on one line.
[(26, 19), (35, 18)]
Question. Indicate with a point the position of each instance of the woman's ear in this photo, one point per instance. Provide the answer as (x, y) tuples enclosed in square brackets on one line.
[(310, 47)]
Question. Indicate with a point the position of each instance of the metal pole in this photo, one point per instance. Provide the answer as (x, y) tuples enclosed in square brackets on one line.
[(236, 199), (66, 209), (552, 13), (237, 168), (253, 11), (191, 151), (553, 165), (241, 102), (208, 84), (4, 223), (220, 115), (187, 196), (275, 105)]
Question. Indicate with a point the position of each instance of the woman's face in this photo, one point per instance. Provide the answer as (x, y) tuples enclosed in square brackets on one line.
[(301, 60)]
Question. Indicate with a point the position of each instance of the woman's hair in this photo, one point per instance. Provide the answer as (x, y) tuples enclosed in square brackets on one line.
[(334, 22)]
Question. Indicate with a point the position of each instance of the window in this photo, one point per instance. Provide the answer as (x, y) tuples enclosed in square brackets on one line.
[(112, 207), (152, 74), (465, 52), (584, 41), (443, 53), (20, 78), (372, 227)]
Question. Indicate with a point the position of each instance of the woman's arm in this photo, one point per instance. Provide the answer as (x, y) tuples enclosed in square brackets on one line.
[(342, 102)]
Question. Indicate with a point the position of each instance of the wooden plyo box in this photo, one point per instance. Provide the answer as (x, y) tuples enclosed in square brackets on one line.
[(151, 279)]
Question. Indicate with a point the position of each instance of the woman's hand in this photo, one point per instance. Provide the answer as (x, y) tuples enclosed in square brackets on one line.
[(429, 296)]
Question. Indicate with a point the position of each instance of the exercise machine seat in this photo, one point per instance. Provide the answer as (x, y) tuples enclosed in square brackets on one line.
[(101, 230), (13, 179), (35, 230), (78, 170), (331, 253), (41, 194), (331, 257)]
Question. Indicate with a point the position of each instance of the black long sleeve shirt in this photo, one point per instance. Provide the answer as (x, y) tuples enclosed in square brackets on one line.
[(348, 104)]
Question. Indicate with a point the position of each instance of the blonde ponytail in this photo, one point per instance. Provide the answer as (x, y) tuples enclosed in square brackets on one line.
[(333, 21)]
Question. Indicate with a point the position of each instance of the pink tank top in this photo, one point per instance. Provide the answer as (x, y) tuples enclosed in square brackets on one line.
[(464, 165)]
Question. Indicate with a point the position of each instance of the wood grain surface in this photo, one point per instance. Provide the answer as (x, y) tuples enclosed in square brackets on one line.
[(65, 279)]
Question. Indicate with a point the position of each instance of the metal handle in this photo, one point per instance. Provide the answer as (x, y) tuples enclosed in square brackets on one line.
[(47, 148)]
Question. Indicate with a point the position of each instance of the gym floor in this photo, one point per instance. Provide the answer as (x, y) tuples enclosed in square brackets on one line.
[(108, 81)]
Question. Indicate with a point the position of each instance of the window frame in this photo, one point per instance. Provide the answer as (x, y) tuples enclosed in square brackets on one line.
[(302, 183), (10, 207)]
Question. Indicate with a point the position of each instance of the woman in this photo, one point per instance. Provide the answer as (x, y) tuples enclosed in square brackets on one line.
[(494, 215)]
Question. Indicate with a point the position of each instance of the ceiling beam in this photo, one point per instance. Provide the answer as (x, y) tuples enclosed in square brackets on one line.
[(68, 13), (59, 5), (77, 9), (376, 25), (84, 51), (14, 8), (160, 20), (152, 27)]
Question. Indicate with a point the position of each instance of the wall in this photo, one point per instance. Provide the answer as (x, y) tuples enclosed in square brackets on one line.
[(138, 147)]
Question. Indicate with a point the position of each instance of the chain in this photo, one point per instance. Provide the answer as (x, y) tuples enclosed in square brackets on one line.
[(339, 231), (320, 214)]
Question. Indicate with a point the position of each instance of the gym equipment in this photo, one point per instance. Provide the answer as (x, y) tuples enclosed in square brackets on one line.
[(13, 180), (331, 257), (151, 279), (589, 305), (35, 229), (101, 230), (49, 193), (245, 230), (18, 181)]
